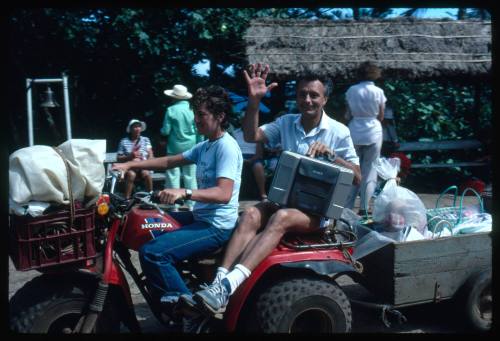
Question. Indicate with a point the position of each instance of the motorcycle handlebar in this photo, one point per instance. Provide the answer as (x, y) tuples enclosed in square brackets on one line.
[(114, 176), (115, 173), (155, 198)]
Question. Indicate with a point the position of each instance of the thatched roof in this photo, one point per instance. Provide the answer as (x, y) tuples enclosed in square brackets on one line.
[(404, 47)]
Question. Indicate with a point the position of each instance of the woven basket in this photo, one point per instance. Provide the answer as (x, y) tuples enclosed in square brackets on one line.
[(439, 218)]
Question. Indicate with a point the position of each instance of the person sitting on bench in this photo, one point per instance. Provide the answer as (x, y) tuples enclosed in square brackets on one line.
[(135, 148)]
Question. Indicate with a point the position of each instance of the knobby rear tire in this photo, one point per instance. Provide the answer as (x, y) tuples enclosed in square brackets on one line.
[(304, 305)]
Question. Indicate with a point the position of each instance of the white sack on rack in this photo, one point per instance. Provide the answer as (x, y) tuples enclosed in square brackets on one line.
[(38, 173)]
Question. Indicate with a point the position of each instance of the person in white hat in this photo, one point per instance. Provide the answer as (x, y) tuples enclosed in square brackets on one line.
[(180, 131), (137, 148)]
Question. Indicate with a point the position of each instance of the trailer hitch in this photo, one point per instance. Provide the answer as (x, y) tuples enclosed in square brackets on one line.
[(390, 310), (386, 311)]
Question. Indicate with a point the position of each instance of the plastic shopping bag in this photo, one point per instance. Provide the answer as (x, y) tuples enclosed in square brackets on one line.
[(396, 206), (387, 168), (475, 223)]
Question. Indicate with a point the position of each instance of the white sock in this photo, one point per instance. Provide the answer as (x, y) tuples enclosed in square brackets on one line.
[(237, 276), (220, 274)]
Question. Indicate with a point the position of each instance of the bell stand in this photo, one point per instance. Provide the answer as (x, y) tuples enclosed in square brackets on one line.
[(29, 83)]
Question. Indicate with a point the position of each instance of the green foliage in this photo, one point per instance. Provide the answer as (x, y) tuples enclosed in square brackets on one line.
[(440, 110), (437, 110)]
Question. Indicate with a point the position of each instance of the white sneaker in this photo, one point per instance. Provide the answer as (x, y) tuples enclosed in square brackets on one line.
[(218, 277), (215, 298)]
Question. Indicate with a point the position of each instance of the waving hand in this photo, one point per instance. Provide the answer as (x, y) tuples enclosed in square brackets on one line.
[(256, 81)]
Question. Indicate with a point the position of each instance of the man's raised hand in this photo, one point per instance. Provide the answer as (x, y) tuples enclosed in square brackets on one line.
[(256, 81)]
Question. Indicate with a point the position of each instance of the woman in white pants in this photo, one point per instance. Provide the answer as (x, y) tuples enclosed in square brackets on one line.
[(365, 108)]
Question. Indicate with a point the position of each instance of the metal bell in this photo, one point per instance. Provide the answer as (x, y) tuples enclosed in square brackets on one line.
[(49, 99)]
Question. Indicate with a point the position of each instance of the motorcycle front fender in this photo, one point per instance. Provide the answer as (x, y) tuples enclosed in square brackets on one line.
[(113, 273)]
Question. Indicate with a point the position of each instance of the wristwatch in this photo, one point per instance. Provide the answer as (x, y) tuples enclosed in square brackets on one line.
[(332, 158), (189, 193), (328, 157)]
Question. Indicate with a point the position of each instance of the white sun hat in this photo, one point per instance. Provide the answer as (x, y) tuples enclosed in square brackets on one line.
[(179, 91), (134, 121)]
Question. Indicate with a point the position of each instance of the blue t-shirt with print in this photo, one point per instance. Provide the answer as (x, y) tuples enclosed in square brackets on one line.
[(216, 159)]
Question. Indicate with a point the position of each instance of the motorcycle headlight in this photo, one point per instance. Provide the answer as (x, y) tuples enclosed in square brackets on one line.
[(103, 205), (102, 209)]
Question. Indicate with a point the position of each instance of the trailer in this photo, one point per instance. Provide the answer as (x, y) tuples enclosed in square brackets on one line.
[(403, 274)]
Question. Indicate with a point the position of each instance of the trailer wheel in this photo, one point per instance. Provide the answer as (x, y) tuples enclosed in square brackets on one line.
[(304, 305), (476, 299)]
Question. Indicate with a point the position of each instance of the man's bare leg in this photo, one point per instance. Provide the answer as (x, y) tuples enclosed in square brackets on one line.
[(250, 222), (283, 221), (216, 296)]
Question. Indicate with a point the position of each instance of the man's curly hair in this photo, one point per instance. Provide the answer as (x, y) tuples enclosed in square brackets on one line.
[(216, 101)]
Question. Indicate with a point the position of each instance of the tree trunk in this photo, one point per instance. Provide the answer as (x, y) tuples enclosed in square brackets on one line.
[(215, 73), (461, 13), (355, 13)]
